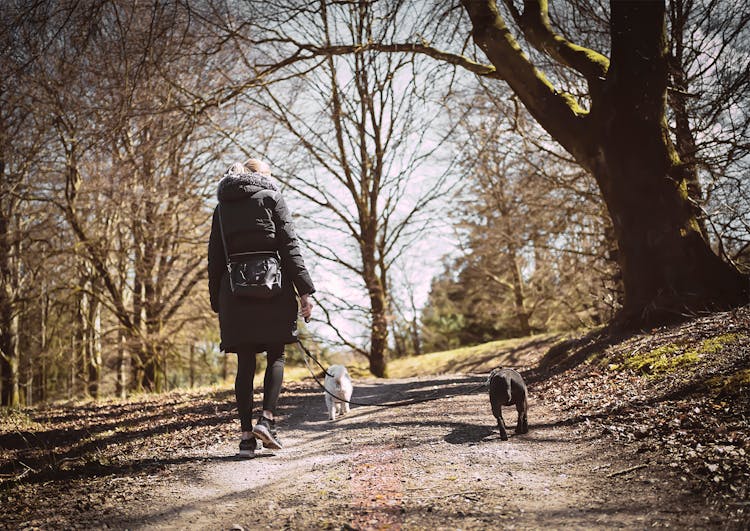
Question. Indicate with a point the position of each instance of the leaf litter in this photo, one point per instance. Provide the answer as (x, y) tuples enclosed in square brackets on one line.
[(606, 438)]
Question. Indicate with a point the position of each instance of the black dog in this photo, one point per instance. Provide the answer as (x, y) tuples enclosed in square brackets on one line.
[(507, 388)]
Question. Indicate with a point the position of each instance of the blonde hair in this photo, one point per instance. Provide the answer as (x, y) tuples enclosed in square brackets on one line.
[(238, 168), (258, 166)]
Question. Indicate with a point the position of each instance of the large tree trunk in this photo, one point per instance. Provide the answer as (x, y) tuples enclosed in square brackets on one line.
[(667, 265)]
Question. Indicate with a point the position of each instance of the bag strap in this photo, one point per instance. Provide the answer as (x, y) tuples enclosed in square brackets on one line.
[(223, 239)]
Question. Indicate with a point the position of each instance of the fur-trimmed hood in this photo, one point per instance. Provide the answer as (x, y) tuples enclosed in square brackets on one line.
[(238, 183)]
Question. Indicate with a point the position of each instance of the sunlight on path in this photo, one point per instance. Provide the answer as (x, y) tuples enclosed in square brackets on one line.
[(435, 465), (376, 488)]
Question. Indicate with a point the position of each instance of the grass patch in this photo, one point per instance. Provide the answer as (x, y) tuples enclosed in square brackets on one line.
[(515, 352), (669, 358), (296, 373), (730, 384), (717, 343), (519, 352), (664, 359)]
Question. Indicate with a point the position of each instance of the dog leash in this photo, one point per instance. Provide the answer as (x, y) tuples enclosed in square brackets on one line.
[(400, 403)]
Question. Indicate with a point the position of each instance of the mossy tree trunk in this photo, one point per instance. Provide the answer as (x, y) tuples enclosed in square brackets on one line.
[(667, 264), (685, 142)]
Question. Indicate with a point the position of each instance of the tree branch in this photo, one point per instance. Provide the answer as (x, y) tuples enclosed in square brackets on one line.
[(558, 113), (405, 47), (534, 22)]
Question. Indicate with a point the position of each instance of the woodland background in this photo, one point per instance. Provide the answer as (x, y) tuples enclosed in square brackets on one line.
[(435, 209)]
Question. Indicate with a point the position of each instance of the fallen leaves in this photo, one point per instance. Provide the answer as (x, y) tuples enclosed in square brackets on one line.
[(679, 416)]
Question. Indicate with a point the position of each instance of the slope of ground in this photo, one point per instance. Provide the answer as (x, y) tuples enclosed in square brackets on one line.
[(617, 439), (678, 394)]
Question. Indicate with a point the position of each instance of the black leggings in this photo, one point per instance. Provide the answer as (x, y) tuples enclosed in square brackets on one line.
[(243, 383)]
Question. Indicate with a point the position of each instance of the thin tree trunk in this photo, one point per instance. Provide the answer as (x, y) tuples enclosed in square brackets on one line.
[(9, 353), (414, 329), (14, 359), (416, 338), (684, 138), (43, 315), (29, 401), (121, 377), (72, 368), (192, 365), (121, 383), (80, 335), (519, 297), (399, 342), (15, 352), (93, 347), (164, 368), (138, 355), (378, 318)]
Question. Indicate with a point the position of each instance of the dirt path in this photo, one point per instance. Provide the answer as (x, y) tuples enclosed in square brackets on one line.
[(433, 465)]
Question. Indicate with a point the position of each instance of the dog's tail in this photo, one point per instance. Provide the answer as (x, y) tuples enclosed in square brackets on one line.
[(507, 388), (343, 373)]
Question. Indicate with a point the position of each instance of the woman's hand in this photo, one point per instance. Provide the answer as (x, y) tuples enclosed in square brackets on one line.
[(306, 307)]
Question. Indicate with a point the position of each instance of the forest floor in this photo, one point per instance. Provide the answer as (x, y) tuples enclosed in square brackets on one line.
[(638, 431)]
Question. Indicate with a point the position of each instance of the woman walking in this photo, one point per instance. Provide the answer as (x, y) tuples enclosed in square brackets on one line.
[(252, 218)]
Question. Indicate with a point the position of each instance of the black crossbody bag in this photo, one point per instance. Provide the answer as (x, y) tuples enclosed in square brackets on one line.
[(254, 274)]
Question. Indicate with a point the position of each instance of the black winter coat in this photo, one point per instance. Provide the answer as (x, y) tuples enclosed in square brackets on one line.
[(255, 218)]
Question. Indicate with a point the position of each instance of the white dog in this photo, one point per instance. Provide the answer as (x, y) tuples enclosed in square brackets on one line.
[(340, 385)]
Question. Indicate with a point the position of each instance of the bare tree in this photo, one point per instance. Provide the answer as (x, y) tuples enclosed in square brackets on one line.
[(156, 158), (21, 144), (616, 128), (666, 262), (357, 140), (535, 236), (127, 163)]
